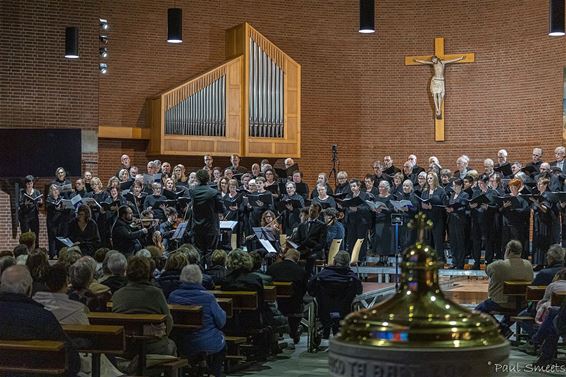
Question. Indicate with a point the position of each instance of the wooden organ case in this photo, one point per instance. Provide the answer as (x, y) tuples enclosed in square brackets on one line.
[(250, 105)]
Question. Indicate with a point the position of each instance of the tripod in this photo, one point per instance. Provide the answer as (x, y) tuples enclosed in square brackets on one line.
[(335, 164)]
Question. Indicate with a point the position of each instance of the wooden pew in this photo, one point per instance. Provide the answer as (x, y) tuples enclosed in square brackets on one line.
[(133, 325), (535, 292), (101, 339), (284, 289), (558, 298), (226, 305), (517, 289), (241, 300), (39, 357), (186, 317)]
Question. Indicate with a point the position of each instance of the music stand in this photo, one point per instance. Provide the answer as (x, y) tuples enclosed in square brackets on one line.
[(397, 221)]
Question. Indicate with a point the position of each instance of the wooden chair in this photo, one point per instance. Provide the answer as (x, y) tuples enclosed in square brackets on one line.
[(226, 305), (355, 258), (38, 357), (101, 339), (241, 300), (535, 292), (333, 250), (270, 293), (186, 317)]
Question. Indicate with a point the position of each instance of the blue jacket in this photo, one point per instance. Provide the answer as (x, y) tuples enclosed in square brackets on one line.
[(209, 338), (546, 275)]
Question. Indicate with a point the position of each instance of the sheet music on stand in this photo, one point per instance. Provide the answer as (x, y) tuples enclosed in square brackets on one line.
[(228, 225), (180, 231), (265, 237)]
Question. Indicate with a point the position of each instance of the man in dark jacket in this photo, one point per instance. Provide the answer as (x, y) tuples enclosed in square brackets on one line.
[(311, 238), (289, 270), (335, 288), (124, 238), (22, 318), (554, 263), (207, 205)]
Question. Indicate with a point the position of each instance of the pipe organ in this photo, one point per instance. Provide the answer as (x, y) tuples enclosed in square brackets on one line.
[(250, 105)]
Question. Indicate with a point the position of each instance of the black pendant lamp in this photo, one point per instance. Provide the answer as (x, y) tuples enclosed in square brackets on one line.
[(72, 42), (174, 25), (367, 16), (556, 18)]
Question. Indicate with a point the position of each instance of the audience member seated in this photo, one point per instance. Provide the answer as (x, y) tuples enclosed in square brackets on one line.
[(70, 312), (257, 260), (21, 253), (513, 267), (548, 334), (21, 318), (81, 275), (554, 263), (37, 264), (335, 288), (6, 261), (116, 265), (140, 296), (100, 257), (289, 270), (56, 299), (193, 257), (209, 339), (168, 281), (217, 269), (240, 278)]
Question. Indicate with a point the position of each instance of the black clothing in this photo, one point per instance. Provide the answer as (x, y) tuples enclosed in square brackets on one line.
[(155, 203), (207, 205), (358, 223), (28, 212), (311, 238), (125, 239), (57, 220), (22, 318), (456, 226), (89, 238), (291, 219), (437, 215), (115, 282), (217, 273)]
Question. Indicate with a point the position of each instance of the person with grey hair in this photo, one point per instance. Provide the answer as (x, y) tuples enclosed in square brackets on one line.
[(6, 261), (209, 338), (116, 264), (554, 263), (21, 318), (84, 288), (334, 288)]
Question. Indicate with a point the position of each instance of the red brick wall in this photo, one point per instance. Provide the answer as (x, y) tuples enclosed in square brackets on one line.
[(356, 92)]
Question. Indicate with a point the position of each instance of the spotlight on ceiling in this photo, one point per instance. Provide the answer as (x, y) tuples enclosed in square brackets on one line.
[(174, 25), (103, 39), (103, 52), (367, 16), (72, 42), (104, 24), (556, 18), (103, 67)]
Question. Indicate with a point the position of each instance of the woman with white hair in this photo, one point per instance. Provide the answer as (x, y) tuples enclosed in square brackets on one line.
[(209, 338)]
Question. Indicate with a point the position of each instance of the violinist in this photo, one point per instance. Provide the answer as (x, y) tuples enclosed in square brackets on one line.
[(311, 238), (29, 202), (167, 228), (125, 238), (334, 228)]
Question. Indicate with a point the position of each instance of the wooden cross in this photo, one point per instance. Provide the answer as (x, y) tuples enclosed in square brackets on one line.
[(452, 58)]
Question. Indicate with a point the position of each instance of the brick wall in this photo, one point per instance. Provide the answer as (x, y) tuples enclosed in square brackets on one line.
[(356, 92)]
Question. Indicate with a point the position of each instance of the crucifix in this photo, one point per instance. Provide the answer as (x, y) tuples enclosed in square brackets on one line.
[(438, 61)]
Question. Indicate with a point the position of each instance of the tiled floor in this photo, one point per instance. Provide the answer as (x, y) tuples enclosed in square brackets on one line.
[(300, 363)]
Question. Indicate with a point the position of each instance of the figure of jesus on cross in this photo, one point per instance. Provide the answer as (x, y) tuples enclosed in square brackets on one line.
[(437, 81), (438, 61)]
